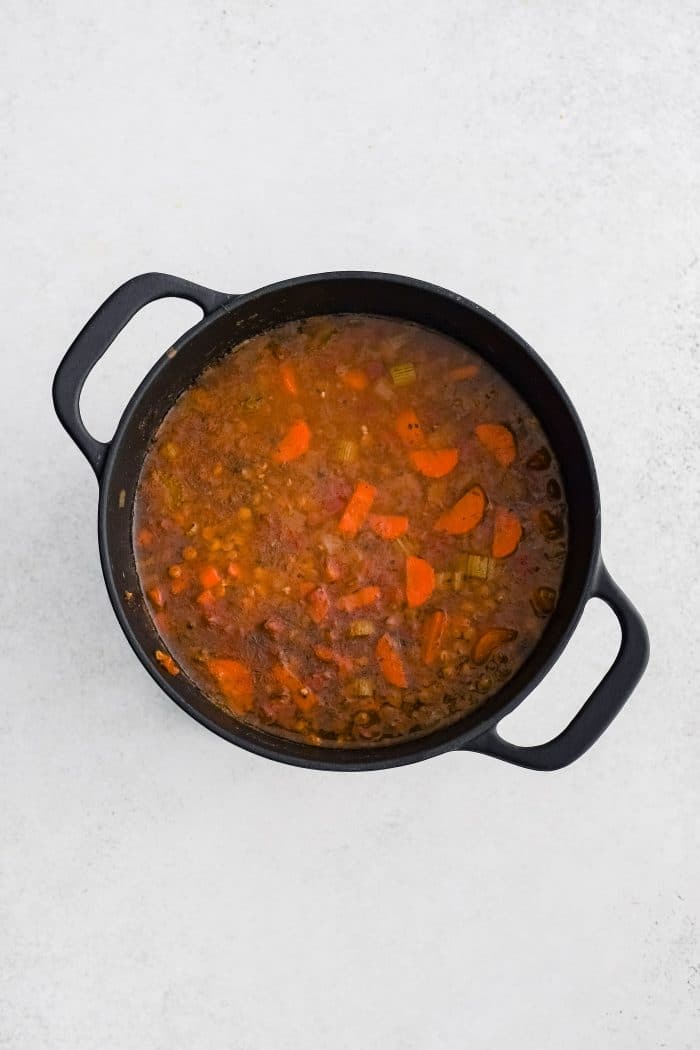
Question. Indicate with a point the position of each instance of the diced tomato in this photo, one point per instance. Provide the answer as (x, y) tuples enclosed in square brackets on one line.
[(209, 576), (319, 604)]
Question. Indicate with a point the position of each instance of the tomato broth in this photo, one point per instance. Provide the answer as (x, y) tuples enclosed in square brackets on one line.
[(350, 530)]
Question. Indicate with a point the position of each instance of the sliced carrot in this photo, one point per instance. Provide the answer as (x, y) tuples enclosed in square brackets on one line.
[(329, 656), (409, 429), (233, 570), (235, 682), (319, 604), (435, 463), (390, 662), (491, 640), (420, 581), (303, 697), (358, 599), (358, 508), (464, 372), (433, 628), (167, 661), (156, 596), (355, 378), (286, 678), (294, 443), (209, 576), (498, 440), (507, 531), (466, 513), (289, 378), (206, 599), (388, 526)]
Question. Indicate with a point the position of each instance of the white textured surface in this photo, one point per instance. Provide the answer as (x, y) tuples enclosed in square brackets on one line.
[(161, 889)]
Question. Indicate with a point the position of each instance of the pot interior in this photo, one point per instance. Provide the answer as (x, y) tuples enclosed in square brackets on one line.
[(347, 293)]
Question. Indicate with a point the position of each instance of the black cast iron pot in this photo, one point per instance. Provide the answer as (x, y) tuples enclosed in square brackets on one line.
[(228, 319)]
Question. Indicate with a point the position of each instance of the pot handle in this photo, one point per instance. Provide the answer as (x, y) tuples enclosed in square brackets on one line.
[(98, 335), (604, 703)]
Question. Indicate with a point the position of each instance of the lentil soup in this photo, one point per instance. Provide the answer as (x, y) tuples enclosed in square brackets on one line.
[(350, 530)]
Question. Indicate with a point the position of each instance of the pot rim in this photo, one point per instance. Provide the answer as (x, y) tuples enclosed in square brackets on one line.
[(290, 752)]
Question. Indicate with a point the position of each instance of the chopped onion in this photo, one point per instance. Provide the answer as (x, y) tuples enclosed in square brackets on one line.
[(383, 390), (331, 543)]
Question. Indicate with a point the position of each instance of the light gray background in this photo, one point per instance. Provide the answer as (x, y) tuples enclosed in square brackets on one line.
[(161, 889)]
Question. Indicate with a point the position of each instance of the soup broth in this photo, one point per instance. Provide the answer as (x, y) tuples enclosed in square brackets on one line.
[(350, 530)]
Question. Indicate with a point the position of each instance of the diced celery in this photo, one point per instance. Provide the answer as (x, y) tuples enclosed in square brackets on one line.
[(403, 374), (347, 451), (363, 687), (475, 566), (404, 546), (361, 628)]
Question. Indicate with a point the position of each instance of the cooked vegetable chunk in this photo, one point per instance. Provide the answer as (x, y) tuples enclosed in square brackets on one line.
[(498, 440), (465, 515), (358, 508)]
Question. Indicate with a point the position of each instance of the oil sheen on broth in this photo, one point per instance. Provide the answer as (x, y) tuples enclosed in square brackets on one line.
[(350, 530)]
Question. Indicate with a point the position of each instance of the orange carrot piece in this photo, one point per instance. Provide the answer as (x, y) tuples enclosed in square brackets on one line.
[(491, 640), (145, 537), (167, 661), (178, 586), (507, 531), (435, 463), (433, 628), (409, 429), (286, 678), (235, 682), (358, 599), (390, 662), (233, 570), (498, 440), (209, 577), (206, 599), (289, 378), (156, 596), (358, 508), (464, 372), (388, 526), (420, 581), (294, 443), (319, 604), (466, 513), (329, 656), (303, 697), (355, 378)]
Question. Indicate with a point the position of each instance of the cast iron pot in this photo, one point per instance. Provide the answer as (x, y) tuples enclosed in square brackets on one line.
[(229, 319)]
